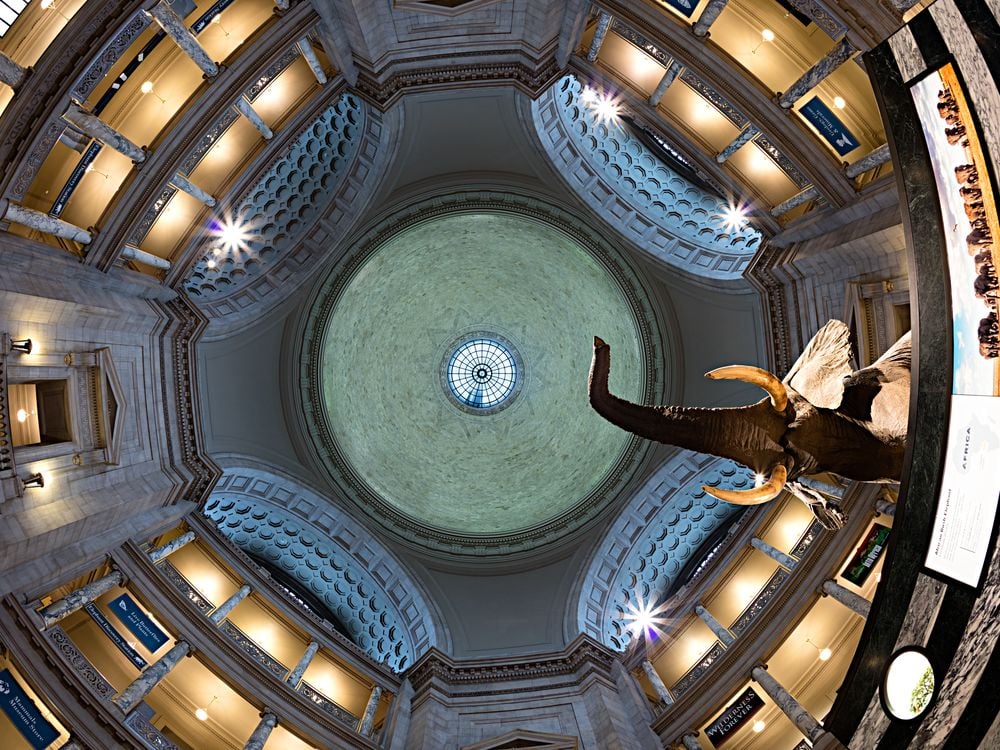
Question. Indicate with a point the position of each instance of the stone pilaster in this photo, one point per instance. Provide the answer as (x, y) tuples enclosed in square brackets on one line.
[(172, 24), (715, 626), (368, 718), (83, 596), (99, 130), (29, 217), (795, 201), (794, 710), (229, 605), (244, 108), (261, 732), (743, 138), (654, 679), (155, 555), (669, 76), (130, 697), (131, 252), (841, 53), (785, 561), (183, 183), (857, 604), (11, 73), (603, 24), (309, 55), (708, 16), (869, 161), (303, 665)]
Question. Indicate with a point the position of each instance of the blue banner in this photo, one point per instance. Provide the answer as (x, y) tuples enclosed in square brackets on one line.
[(138, 622), (24, 714), (116, 638), (831, 128), (685, 7)]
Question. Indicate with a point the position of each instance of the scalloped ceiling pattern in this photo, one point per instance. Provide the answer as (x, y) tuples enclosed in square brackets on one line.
[(282, 204), (662, 528), (634, 191)]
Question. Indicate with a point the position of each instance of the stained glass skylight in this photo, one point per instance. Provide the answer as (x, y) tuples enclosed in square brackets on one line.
[(482, 373)]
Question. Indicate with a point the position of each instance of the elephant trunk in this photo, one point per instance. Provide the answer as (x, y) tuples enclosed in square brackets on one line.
[(741, 434)]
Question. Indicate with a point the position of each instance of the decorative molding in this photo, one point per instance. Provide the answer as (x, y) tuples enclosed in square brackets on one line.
[(335, 710), (696, 672), (251, 649), (632, 36), (808, 537), (180, 583), (207, 140), (783, 162), (822, 16), (326, 297), (725, 107), (760, 602), (108, 55), (146, 733), (761, 273), (142, 228), (271, 72), (79, 663)]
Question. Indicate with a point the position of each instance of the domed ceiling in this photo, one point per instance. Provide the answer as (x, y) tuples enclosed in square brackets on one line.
[(383, 332)]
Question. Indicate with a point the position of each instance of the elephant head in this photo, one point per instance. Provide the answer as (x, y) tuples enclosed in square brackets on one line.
[(823, 417)]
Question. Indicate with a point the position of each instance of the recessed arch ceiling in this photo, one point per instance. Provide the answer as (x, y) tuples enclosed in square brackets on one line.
[(383, 327)]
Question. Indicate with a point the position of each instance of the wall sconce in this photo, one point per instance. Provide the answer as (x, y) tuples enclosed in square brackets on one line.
[(217, 20), (765, 36), (147, 88), (51, 5), (824, 653), (21, 345), (201, 714), (839, 102), (759, 726), (35, 480), (90, 168)]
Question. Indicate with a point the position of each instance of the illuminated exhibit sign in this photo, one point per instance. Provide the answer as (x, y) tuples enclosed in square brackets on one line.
[(867, 555), (24, 714), (829, 126), (116, 638), (138, 622), (970, 483), (684, 7), (736, 715)]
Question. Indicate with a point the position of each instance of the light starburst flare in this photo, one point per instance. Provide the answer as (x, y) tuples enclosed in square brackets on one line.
[(734, 217), (603, 106), (644, 618)]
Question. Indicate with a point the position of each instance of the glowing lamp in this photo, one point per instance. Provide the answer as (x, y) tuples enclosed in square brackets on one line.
[(201, 714), (21, 345), (22, 415), (839, 102), (758, 726), (35, 480)]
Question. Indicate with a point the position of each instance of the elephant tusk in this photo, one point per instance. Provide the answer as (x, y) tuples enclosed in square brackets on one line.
[(762, 378), (758, 495)]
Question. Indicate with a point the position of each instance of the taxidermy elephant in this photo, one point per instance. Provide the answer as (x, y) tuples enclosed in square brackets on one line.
[(823, 417)]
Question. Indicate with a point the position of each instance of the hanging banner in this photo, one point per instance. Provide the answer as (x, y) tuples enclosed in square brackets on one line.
[(116, 638), (829, 126), (684, 7), (24, 714), (868, 553), (138, 622), (738, 713)]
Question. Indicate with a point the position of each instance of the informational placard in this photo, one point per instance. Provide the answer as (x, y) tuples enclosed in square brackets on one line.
[(115, 637), (829, 126), (867, 555), (736, 715), (138, 622), (684, 7), (24, 714), (970, 483)]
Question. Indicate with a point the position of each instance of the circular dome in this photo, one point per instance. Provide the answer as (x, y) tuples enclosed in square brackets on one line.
[(447, 376), (482, 373)]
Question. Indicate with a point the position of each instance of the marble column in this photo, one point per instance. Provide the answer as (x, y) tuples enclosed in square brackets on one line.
[(131, 252), (10, 72), (869, 161), (690, 742), (904, 5), (281, 4), (300, 668), (857, 604), (98, 129), (130, 697), (603, 24), (885, 507), (229, 605), (715, 626), (183, 183), (244, 108), (794, 710), (309, 55), (669, 76), (172, 24), (745, 136), (71, 744), (29, 217), (841, 53), (368, 718), (708, 16), (261, 732), (157, 554), (654, 679), (795, 201), (777, 555), (83, 596)]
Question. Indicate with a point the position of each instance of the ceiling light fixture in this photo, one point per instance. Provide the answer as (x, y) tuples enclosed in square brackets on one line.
[(217, 20), (603, 106), (765, 36), (201, 714), (35, 480), (644, 618), (233, 234), (824, 653), (758, 726), (90, 168), (21, 345), (734, 218), (839, 102), (51, 5), (147, 88)]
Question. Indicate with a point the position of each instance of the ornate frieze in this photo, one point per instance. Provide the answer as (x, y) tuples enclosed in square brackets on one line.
[(109, 54), (194, 156), (718, 101), (696, 672), (181, 584), (814, 530), (335, 710), (270, 73), (632, 36), (79, 663), (251, 649), (140, 230), (146, 733), (782, 161), (760, 602)]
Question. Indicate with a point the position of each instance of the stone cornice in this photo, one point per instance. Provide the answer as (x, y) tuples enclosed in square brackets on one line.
[(778, 320)]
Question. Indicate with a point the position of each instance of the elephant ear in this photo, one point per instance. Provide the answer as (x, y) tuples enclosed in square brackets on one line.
[(819, 373)]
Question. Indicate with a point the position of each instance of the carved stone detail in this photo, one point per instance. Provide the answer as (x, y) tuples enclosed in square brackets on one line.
[(79, 663), (696, 672), (338, 712), (251, 649)]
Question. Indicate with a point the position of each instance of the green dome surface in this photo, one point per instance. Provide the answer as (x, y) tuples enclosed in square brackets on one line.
[(394, 325)]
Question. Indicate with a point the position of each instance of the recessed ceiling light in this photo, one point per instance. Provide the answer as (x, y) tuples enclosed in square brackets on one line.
[(758, 726), (839, 102)]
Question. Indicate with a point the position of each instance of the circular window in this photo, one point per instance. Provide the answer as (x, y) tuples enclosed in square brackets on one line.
[(482, 373), (908, 685)]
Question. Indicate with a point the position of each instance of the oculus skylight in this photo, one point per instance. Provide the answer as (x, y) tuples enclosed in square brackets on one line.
[(482, 373)]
